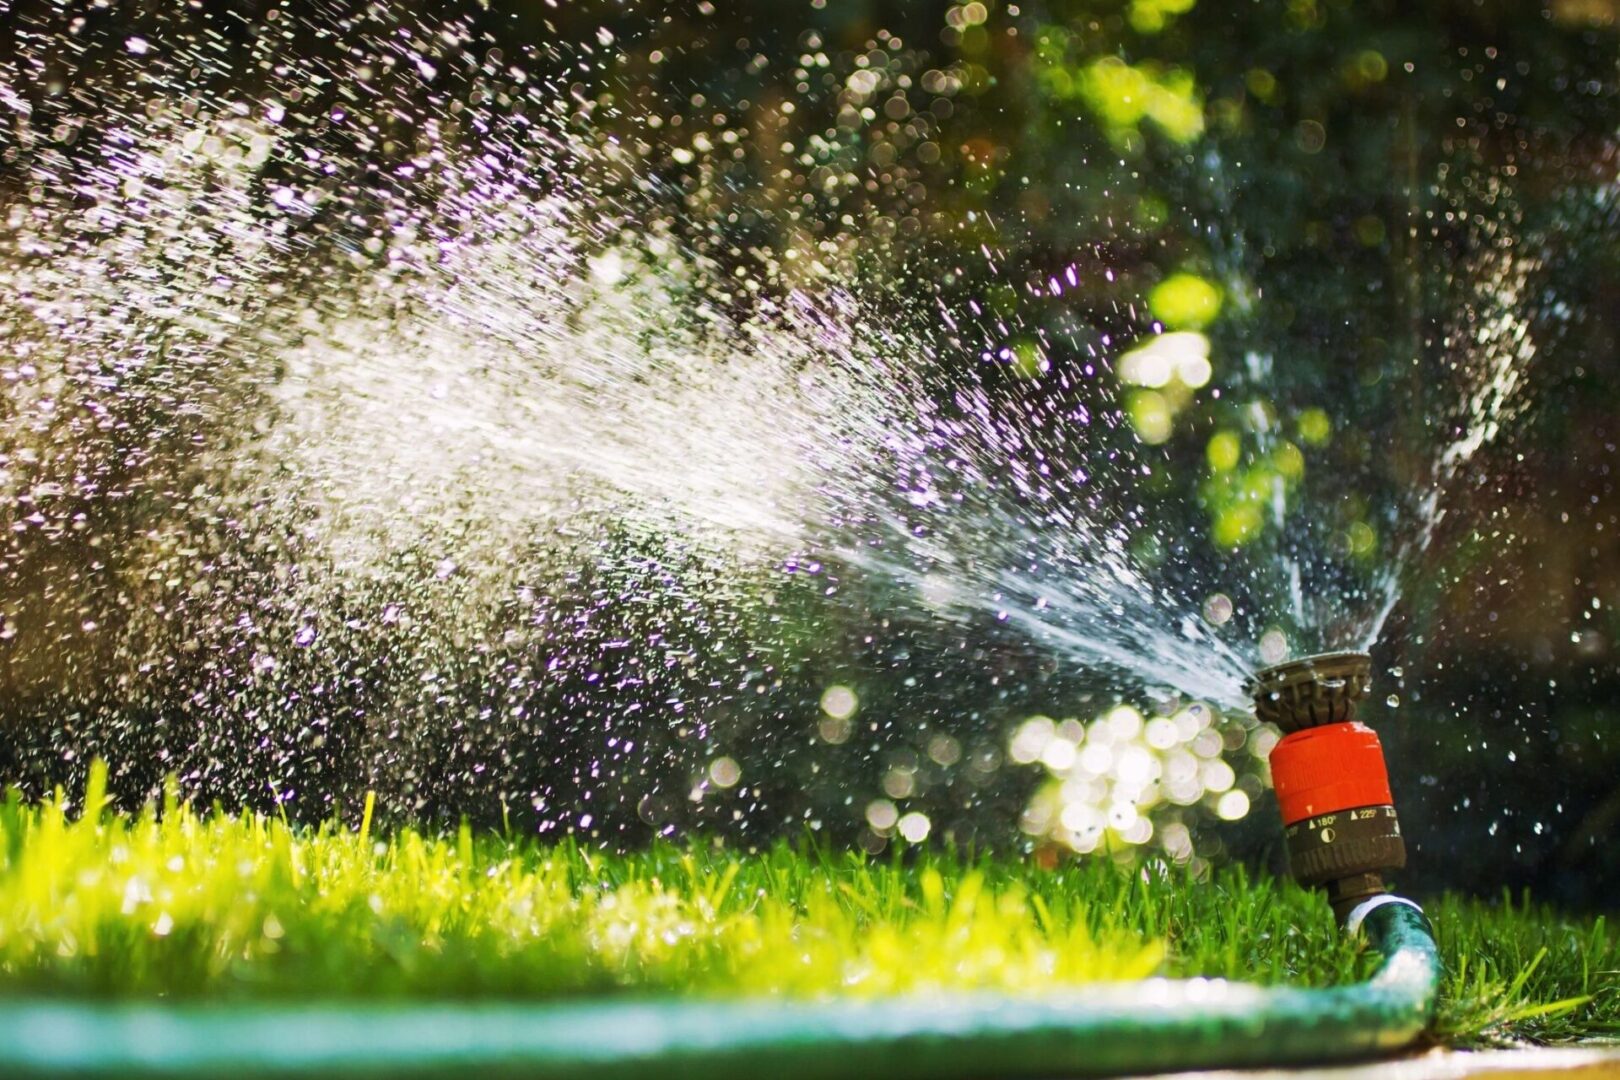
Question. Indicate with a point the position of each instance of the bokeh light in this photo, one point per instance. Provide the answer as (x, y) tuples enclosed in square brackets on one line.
[(1129, 779)]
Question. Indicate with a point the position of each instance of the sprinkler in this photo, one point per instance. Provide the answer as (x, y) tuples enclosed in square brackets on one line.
[(1338, 815)]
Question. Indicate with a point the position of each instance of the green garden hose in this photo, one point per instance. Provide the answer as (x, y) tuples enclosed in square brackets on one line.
[(1157, 1025)]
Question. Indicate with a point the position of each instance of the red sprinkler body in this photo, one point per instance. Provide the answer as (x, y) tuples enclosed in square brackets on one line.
[(1333, 789)]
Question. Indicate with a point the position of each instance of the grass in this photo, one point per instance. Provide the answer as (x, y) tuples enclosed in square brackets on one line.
[(173, 903)]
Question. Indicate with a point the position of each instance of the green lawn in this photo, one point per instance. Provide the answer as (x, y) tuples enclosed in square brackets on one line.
[(175, 903)]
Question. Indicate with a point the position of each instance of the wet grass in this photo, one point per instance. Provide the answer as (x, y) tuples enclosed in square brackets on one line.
[(173, 903)]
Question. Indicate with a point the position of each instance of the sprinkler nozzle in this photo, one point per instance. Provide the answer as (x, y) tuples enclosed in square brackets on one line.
[(1332, 787), (1312, 691)]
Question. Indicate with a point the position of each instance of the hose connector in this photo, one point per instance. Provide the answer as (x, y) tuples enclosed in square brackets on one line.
[(1332, 786)]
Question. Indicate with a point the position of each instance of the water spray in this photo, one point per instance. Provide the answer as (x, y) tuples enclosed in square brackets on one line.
[(1332, 786)]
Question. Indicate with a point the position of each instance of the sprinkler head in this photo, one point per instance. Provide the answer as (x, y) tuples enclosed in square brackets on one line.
[(1313, 690), (1332, 787)]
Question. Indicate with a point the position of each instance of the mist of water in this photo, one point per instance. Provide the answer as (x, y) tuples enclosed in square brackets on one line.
[(316, 416)]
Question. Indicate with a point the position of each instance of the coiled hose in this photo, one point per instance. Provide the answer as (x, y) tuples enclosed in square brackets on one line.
[(1158, 1025)]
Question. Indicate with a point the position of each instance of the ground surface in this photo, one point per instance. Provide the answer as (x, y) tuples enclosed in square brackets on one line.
[(175, 903), (1542, 1063)]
